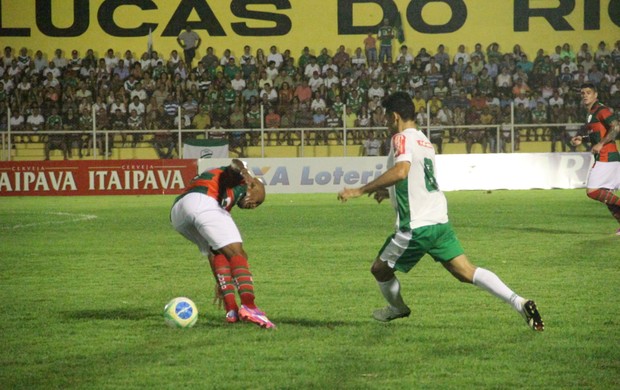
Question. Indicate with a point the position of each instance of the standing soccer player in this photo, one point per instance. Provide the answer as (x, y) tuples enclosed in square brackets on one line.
[(202, 215), (603, 127), (422, 224)]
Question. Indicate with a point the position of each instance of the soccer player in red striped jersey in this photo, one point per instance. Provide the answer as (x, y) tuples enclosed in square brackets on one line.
[(603, 127), (202, 215)]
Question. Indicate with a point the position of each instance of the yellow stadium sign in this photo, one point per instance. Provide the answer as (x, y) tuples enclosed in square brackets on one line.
[(293, 24)]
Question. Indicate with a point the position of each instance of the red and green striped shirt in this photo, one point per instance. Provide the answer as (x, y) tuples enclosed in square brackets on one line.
[(222, 184), (598, 125)]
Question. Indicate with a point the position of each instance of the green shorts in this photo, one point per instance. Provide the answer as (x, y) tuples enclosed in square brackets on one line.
[(403, 249)]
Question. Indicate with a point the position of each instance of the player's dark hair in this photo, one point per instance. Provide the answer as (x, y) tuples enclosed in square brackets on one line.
[(589, 85), (400, 103)]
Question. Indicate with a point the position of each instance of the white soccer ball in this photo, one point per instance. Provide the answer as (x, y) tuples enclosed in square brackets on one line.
[(181, 312)]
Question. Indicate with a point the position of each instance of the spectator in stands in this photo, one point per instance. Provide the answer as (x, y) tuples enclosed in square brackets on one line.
[(461, 55), (558, 133), (59, 60), (55, 141), (275, 56), (370, 48), (421, 59), (202, 119), (209, 59), (540, 116), (385, 36), (478, 52), (378, 117), (247, 61), (567, 52), (237, 138), (18, 124), (372, 145), (34, 123), (111, 61), (358, 59), (72, 140), (40, 62), (556, 99), (567, 63), (601, 51), (441, 55), (318, 120), (523, 116), (253, 120), (189, 41), (272, 121), (595, 76), (341, 58), (225, 59), (476, 65), (216, 132), (135, 121), (504, 81), (303, 92)]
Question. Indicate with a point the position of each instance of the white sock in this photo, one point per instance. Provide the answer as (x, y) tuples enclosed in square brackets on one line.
[(391, 292), (490, 282)]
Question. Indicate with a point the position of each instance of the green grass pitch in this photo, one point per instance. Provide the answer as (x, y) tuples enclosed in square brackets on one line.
[(83, 282)]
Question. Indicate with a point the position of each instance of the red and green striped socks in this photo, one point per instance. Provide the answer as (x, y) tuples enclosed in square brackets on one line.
[(224, 278), (243, 277)]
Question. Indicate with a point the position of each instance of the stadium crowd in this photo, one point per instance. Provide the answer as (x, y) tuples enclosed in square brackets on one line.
[(221, 91)]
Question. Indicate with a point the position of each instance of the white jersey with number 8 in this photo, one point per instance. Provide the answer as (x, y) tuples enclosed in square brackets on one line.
[(417, 200)]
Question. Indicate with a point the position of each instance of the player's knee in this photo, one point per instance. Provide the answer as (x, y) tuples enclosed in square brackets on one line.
[(381, 271)]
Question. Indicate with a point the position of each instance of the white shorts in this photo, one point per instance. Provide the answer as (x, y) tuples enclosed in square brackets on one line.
[(200, 219), (605, 175)]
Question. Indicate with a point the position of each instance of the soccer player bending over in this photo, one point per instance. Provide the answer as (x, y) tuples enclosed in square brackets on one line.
[(603, 127), (422, 224), (202, 215)]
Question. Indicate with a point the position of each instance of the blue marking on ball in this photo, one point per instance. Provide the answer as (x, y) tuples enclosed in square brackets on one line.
[(184, 310)]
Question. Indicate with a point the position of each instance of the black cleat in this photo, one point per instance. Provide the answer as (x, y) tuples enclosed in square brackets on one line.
[(532, 316)]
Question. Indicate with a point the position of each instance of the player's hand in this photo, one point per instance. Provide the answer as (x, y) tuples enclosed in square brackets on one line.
[(237, 164), (218, 298), (596, 149), (381, 195), (576, 140), (349, 193)]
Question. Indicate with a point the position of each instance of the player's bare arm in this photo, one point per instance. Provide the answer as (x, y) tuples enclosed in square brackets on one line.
[(390, 177), (614, 130)]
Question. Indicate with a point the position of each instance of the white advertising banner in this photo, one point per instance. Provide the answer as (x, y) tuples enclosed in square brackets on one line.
[(454, 172)]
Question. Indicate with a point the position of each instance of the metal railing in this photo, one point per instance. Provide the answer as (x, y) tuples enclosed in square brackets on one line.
[(504, 133)]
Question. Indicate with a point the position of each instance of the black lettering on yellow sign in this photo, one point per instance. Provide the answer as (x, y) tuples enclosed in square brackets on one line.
[(523, 11), (556, 17), (282, 23), (458, 17), (105, 17), (208, 20), (80, 24)]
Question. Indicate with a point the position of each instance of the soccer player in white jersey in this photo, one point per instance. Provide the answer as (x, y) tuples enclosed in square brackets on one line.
[(422, 224)]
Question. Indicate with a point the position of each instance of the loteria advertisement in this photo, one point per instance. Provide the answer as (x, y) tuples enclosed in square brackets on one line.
[(454, 172), (118, 177)]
